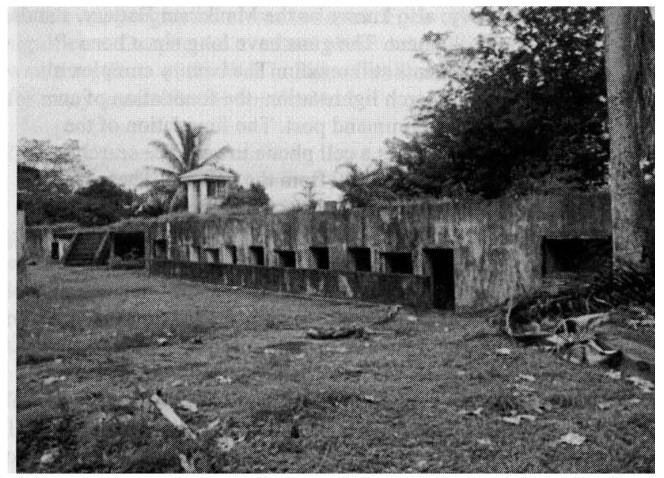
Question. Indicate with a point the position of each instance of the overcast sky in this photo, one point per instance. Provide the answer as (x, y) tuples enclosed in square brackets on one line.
[(295, 92)]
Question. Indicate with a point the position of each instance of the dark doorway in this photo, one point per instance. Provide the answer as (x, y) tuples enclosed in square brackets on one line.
[(232, 253), (159, 250), (257, 255), (398, 262), (55, 250), (575, 255), (286, 258), (439, 265), (361, 258), (129, 245), (321, 257)]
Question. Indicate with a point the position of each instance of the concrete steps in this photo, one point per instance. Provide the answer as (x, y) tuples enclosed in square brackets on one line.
[(85, 248)]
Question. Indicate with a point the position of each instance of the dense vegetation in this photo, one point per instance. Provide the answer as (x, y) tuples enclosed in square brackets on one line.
[(522, 111)]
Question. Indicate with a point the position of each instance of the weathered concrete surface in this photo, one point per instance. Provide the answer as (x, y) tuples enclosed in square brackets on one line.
[(405, 289), (497, 244), (39, 239)]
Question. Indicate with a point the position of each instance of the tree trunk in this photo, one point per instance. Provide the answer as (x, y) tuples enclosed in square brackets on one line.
[(623, 43)]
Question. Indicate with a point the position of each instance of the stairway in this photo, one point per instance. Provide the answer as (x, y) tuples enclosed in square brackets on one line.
[(85, 248)]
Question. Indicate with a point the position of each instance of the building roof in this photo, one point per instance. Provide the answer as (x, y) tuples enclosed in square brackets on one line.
[(207, 171)]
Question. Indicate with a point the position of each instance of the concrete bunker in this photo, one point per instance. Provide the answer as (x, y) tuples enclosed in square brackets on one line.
[(575, 255)]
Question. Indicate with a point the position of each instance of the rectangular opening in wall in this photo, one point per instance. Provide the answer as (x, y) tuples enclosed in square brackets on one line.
[(129, 245), (212, 255), (231, 254), (159, 249), (194, 253), (398, 262), (575, 255), (55, 250), (439, 265), (321, 256), (361, 258), (257, 255), (286, 258)]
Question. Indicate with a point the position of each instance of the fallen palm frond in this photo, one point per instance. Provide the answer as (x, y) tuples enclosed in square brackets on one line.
[(553, 321), (622, 286)]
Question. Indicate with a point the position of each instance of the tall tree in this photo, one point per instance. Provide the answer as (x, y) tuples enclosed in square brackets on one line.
[(522, 111), (102, 202), (630, 76), (48, 173), (183, 149)]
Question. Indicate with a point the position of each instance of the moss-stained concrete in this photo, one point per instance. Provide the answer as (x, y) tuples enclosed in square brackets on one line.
[(497, 244)]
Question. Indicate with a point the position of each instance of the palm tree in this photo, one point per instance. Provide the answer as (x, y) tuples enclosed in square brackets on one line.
[(184, 152)]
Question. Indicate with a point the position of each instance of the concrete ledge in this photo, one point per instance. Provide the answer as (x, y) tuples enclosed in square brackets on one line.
[(406, 289)]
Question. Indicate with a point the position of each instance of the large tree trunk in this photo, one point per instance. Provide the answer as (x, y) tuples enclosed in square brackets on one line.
[(624, 29)]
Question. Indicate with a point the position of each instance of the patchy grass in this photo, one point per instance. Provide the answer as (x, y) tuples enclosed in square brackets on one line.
[(389, 403)]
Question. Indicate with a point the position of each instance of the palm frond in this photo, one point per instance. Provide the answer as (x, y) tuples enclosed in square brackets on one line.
[(176, 147), (170, 174), (169, 155), (217, 154), (158, 183)]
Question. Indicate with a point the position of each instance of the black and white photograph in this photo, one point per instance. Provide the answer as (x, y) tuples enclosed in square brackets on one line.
[(331, 239)]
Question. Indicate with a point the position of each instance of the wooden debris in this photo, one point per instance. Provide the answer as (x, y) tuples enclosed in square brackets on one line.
[(187, 465), (644, 385), (517, 419), (392, 314), (336, 332), (571, 439), (189, 406), (52, 380), (170, 415)]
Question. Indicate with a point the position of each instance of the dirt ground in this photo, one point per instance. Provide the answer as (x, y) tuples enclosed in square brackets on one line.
[(270, 400)]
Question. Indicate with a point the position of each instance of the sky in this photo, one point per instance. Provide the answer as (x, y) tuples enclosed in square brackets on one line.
[(296, 92)]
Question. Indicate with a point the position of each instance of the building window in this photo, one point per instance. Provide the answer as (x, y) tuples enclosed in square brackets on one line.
[(398, 262), (361, 258), (212, 255), (216, 189), (321, 256), (159, 249), (231, 252), (257, 254), (286, 258), (575, 255)]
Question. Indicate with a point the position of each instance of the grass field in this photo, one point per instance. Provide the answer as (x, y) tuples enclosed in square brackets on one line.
[(392, 402)]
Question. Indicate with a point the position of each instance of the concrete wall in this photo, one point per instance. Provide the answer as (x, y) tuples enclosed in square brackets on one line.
[(39, 239), (404, 289), (497, 244)]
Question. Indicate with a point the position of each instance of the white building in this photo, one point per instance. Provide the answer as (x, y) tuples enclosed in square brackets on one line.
[(207, 187)]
